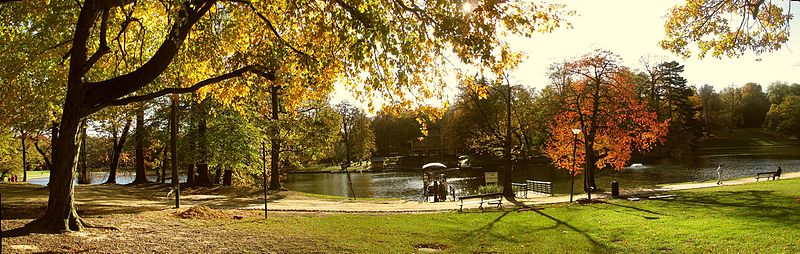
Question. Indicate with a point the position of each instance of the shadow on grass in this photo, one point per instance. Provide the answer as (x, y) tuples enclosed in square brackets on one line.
[(597, 247), (752, 204), (488, 228), (639, 209)]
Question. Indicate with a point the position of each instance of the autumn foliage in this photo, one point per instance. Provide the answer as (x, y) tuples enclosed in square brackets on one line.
[(600, 100)]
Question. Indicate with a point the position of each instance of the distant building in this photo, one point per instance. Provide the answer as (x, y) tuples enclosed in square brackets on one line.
[(429, 147)]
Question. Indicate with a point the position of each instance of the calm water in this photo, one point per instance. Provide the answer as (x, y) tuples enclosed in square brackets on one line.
[(738, 162), (123, 177)]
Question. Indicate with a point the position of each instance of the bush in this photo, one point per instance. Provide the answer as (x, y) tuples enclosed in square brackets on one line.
[(491, 188)]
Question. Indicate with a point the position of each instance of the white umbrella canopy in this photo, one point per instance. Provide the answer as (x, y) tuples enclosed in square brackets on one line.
[(434, 165)]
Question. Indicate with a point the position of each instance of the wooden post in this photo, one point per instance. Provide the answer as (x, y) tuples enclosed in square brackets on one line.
[(24, 157), (264, 166)]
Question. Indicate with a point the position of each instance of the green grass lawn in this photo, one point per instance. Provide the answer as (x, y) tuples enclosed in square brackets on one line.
[(753, 218), (38, 174)]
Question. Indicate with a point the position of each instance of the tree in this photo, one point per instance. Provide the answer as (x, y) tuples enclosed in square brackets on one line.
[(358, 140), (710, 107), (666, 92), (755, 105), (731, 99), (376, 38), (726, 27), (602, 103), (117, 123), (498, 120), (778, 91), (10, 163), (784, 118), (314, 137), (392, 131), (139, 136)]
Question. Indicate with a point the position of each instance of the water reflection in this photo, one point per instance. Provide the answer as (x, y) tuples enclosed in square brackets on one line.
[(123, 177)]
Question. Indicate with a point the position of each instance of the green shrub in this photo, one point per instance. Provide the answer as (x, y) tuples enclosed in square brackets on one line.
[(491, 188)]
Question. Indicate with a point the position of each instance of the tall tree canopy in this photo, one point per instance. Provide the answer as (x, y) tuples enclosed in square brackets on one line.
[(117, 49), (601, 101)]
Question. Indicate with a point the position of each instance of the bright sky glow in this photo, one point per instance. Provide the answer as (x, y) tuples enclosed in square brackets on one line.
[(467, 7), (632, 29)]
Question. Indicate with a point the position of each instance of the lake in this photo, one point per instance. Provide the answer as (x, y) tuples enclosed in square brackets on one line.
[(738, 162)]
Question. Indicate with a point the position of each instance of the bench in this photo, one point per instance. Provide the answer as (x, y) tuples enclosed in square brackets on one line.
[(480, 199), (767, 175), (540, 187)]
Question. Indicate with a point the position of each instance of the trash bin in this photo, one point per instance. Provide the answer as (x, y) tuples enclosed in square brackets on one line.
[(614, 189)]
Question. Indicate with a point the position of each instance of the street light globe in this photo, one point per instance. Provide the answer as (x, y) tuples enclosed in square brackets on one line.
[(576, 131)]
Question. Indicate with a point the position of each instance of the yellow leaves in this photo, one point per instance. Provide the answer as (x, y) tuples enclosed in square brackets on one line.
[(724, 27)]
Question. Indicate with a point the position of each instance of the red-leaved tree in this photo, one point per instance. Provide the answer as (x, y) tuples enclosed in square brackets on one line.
[(601, 102)]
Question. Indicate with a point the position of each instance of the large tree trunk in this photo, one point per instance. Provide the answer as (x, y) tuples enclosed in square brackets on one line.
[(141, 174), (275, 149), (227, 179), (83, 177), (116, 150), (190, 174), (61, 214), (202, 145), (84, 99), (589, 184), (23, 137)]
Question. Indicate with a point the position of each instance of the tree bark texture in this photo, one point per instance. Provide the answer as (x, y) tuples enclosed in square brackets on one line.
[(83, 177), (227, 178), (116, 151), (190, 180), (141, 173), (24, 157), (275, 148), (202, 145)]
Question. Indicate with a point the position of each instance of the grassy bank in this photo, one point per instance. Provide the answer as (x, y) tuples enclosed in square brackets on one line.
[(39, 174), (746, 137), (331, 168), (752, 218)]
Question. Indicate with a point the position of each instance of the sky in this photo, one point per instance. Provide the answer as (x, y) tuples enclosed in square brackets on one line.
[(632, 29)]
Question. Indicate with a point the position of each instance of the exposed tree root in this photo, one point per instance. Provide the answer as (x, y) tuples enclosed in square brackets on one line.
[(86, 224)]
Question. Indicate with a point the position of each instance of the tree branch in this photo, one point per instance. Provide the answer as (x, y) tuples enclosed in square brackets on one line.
[(56, 46), (44, 155), (355, 13), (236, 73), (275, 32), (103, 49), (107, 91)]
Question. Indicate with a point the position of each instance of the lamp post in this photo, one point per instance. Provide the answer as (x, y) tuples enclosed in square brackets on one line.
[(575, 132)]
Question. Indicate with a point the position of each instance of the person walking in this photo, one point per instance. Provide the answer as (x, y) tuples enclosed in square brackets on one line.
[(719, 174)]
